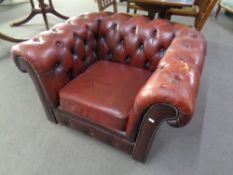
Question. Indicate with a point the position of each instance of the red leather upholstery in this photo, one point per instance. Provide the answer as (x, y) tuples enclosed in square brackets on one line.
[(59, 55), (175, 81), (104, 93)]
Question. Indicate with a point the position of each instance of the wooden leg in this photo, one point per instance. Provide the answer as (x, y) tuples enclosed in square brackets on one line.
[(54, 12), (42, 6), (23, 21), (162, 13), (43, 9), (218, 10), (128, 7), (29, 17), (11, 39), (115, 6)]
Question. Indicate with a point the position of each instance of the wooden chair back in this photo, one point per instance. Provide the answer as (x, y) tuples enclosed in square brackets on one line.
[(205, 8), (103, 4)]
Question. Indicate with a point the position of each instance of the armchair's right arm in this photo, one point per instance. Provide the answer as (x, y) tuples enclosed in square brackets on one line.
[(170, 93), (175, 81)]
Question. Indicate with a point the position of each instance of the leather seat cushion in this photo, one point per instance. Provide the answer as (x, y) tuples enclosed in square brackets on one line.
[(104, 93)]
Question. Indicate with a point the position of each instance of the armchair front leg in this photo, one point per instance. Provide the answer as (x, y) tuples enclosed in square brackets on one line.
[(153, 118)]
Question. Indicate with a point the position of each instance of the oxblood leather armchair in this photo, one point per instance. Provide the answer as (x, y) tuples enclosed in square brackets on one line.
[(116, 77)]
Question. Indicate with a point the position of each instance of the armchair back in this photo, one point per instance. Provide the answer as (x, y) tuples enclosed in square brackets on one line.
[(67, 49)]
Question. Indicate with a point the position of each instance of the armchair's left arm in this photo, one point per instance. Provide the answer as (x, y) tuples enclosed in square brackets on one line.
[(54, 57), (48, 59), (49, 56)]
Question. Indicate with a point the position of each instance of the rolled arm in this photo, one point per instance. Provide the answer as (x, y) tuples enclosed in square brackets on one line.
[(49, 55), (175, 81), (60, 54)]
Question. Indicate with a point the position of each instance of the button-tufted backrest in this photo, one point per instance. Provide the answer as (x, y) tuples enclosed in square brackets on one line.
[(66, 50), (136, 41)]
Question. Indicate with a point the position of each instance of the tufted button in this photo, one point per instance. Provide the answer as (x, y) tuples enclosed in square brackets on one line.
[(99, 21), (85, 42), (147, 64), (127, 59), (74, 54), (87, 27), (86, 62), (94, 55), (134, 29), (161, 67), (161, 52), (193, 35), (35, 39), (186, 45), (173, 35), (141, 46), (75, 35), (54, 30), (181, 60), (176, 78), (114, 26), (75, 57), (73, 51), (70, 74), (109, 56), (121, 42), (59, 43), (83, 59), (57, 67), (154, 33), (102, 38)]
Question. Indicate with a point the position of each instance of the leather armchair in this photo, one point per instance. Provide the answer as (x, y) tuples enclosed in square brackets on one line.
[(116, 77)]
